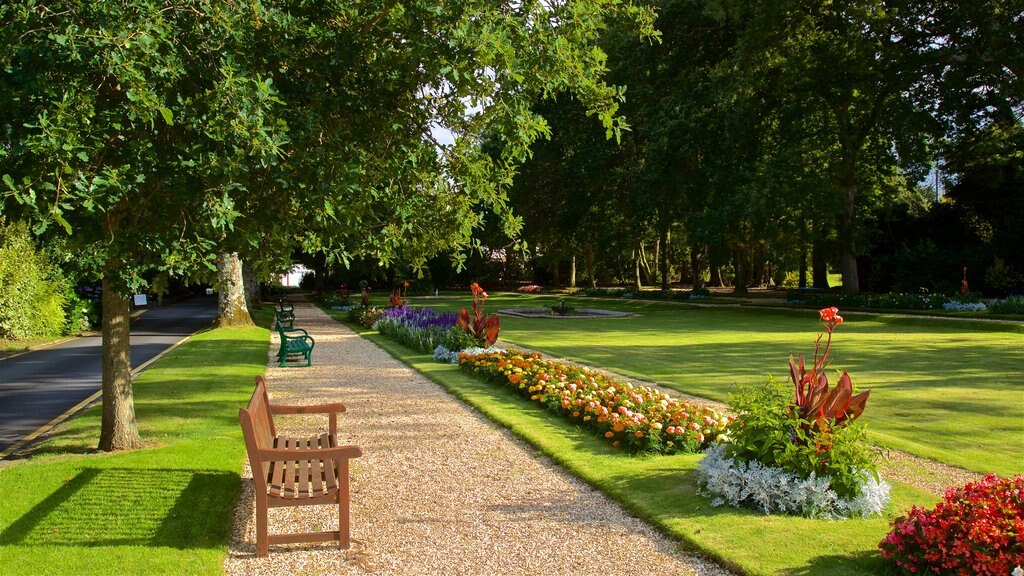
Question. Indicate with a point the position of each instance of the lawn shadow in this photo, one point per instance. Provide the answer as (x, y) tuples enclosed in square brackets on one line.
[(868, 562), (175, 508)]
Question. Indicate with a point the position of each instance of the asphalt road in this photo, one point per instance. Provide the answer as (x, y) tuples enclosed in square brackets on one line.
[(39, 386)]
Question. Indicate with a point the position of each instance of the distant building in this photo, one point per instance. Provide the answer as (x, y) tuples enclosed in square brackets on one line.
[(294, 276)]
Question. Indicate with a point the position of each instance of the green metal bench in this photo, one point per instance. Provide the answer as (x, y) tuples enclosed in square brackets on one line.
[(284, 319), (294, 341)]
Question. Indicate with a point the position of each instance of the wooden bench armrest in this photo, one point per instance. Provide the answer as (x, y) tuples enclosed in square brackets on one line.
[(331, 410), (285, 331), (286, 454)]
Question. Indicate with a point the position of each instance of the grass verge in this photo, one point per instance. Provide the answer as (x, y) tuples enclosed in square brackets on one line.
[(662, 490), (948, 390), (164, 509)]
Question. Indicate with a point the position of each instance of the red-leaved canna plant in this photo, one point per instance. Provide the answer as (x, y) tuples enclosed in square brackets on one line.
[(483, 328), (813, 400)]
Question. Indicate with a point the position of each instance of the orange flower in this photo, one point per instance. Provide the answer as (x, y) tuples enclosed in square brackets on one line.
[(827, 314), (609, 434), (639, 434)]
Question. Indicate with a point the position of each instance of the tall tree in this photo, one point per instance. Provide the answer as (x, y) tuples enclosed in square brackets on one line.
[(149, 131)]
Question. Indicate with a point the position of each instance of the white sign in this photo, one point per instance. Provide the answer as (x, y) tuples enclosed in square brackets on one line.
[(140, 299)]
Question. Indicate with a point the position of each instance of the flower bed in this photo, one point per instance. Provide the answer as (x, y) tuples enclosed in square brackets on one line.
[(977, 529), (637, 418), (421, 329)]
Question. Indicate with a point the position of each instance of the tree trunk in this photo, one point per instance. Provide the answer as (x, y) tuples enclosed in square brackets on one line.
[(251, 286), (117, 428), (696, 267), (644, 266), (819, 266), (742, 268), (665, 264), (556, 278), (591, 266), (657, 258), (232, 310), (572, 272), (847, 247), (637, 283), (802, 273)]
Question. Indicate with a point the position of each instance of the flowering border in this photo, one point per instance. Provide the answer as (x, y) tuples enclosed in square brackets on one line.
[(638, 418)]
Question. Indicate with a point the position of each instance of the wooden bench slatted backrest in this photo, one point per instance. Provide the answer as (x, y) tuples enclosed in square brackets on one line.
[(259, 432)]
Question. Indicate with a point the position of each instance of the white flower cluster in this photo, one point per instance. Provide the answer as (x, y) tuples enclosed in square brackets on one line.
[(442, 354), (772, 490), (957, 306)]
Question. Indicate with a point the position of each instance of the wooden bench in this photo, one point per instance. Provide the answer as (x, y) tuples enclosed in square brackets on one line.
[(295, 472), (294, 341)]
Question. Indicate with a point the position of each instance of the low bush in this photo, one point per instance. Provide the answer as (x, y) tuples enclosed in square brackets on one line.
[(959, 306), (638, 418), (797, 438), (1012, 305), (976, 529), (365, 316), (771, 490), (890, 301)]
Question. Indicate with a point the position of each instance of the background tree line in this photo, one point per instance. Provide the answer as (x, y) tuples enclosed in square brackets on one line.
[(775, 140)]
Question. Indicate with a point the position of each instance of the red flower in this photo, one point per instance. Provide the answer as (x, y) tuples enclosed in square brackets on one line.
[(827, 314)]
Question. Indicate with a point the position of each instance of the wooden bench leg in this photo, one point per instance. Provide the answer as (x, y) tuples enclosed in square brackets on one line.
[(344, 540), (262, 537)]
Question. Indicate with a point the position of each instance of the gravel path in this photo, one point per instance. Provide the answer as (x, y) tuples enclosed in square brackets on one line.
[(439, 489)]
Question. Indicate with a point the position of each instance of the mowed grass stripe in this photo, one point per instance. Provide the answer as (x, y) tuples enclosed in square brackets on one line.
[(947, 390)]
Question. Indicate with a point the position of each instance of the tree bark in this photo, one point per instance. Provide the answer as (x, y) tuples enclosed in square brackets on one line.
[(847, 248), (637, 283), (644, 266), (591, 266), (696, 267), (117, 427), (739, 285), (232, 310), (665, 264), (802, 274), (251, 286), (819, 266)]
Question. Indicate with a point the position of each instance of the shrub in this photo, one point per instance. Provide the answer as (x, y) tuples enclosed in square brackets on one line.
[(958, 306), (365, 316), (766, 431), (334, 300), (808, 435), (1012, 305), (701, 293), (638, 418), (530, 289), (562, 309), (890, 301), (32, 288), (773, 490), (976, 529)]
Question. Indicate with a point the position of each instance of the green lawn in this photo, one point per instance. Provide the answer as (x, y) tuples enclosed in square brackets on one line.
[(948, 390), (661, 489), (165, 509)]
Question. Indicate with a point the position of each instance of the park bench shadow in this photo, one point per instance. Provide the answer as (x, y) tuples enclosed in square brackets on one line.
[(153, 507)]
